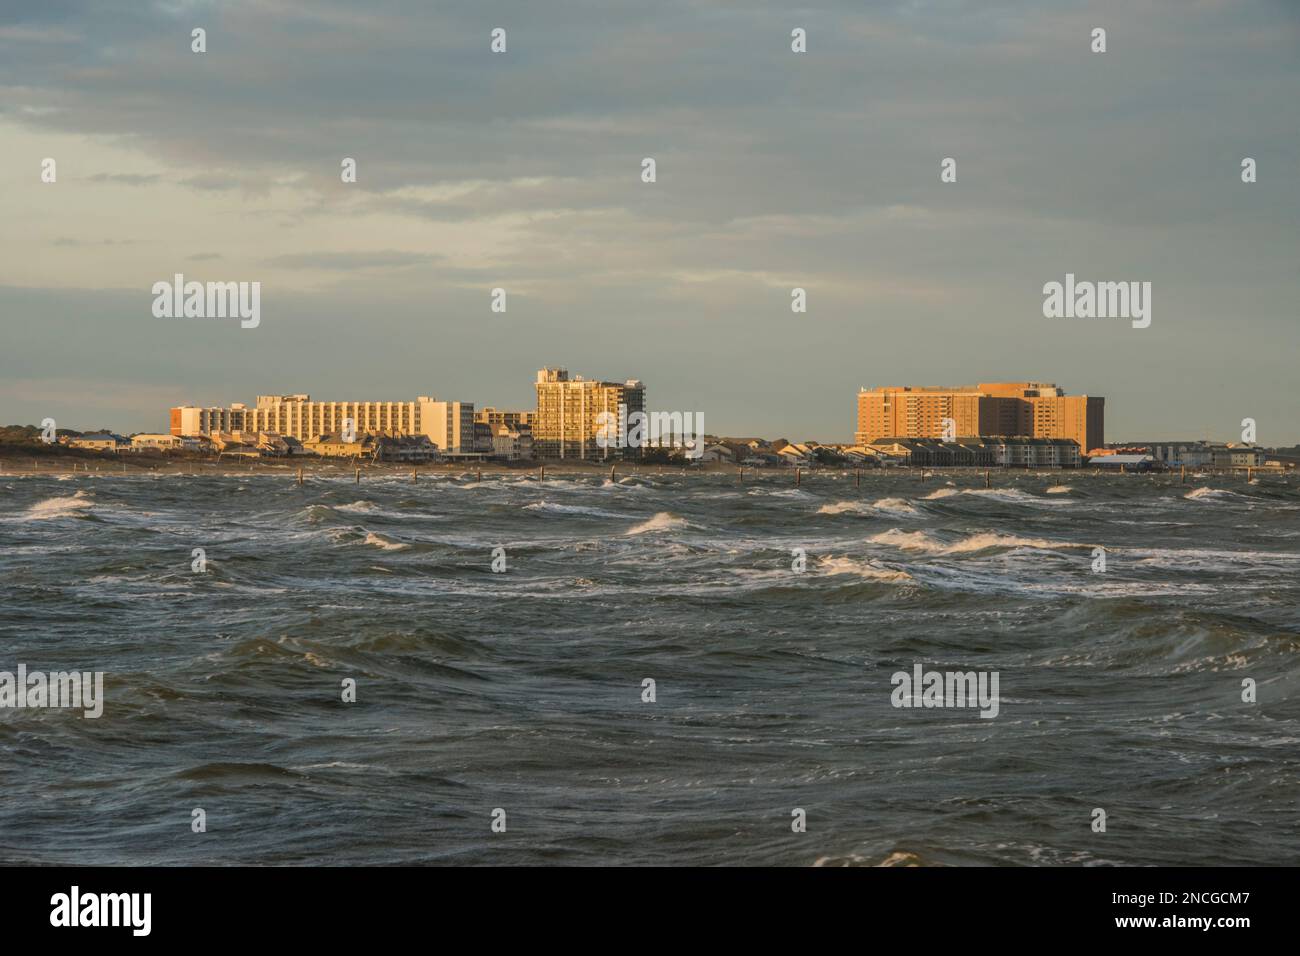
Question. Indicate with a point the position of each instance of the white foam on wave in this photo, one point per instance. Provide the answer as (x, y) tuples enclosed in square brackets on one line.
[(69, 507), (1211, 494), (554, 508), (1003, 494), (845, 507), (981, 541), (356, 506), (663, 521), (868, 570), (942, 493), (1059, 490), (895, 506), (386, 544)]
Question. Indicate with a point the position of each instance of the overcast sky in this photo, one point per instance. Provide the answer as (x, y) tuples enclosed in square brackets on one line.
[(774, 170)]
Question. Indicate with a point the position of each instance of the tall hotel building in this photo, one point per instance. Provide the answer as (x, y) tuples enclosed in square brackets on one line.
[(565, 424), (449, 425), (1026, 409)]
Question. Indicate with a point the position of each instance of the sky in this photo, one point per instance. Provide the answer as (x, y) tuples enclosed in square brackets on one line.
[(774, 170)]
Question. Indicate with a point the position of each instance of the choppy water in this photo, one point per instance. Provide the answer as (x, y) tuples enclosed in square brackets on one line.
[(522, 690)]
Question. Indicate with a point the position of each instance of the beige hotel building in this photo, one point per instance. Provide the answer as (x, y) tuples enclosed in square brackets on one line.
[(565, 425), (1024, 409), (449, 425)]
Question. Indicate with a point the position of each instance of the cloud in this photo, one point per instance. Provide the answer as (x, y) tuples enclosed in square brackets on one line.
[(774, 169), (352, 261)]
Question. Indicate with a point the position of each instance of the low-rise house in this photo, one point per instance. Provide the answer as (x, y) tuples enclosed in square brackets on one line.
[(789, 455), (99, 441), (1124, 463), (411, 449), (147, 442), (334, 446), (719, 453)]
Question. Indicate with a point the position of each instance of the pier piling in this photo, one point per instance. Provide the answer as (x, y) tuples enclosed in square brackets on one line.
[(798, 474), (358, 477), (300, 475)]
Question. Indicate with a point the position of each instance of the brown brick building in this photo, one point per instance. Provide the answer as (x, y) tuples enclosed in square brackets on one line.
[(1028, 409)]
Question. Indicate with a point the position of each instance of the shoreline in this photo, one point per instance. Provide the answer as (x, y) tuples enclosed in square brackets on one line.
[(58, 465)]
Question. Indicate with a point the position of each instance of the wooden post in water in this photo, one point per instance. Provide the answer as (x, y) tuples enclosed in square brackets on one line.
[(988, 479), (479, 476), (742, 474), (611, 474), (541, 473), (300, 475), (857, 477), (798, 473), (1182, 474), (415, 476), (358, 477)]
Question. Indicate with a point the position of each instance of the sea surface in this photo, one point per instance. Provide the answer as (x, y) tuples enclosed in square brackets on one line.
[(1120, 690)]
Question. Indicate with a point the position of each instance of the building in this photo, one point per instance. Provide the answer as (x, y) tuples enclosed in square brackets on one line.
[(1124, 463), (410, 449), (992, 451), (157, 442), (99, 441), (1192, 454), (1010, 409), (566, 424), (449, 425), (723, 454), (336, 446), (512, 444), (499, 416)]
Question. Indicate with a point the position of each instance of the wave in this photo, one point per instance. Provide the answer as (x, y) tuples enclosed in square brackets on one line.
[(553, 508), (663, 521), (895, 506), (845, 507), (870, 570), (980, 541), (1212, 494), (386, 544), (941, 493), (72, 506), (1059, 490)]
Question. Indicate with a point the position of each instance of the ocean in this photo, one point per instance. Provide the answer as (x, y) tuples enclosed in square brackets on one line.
[(504, 716)]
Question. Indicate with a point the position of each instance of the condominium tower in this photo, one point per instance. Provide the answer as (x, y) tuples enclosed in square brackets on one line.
[(565, 424)]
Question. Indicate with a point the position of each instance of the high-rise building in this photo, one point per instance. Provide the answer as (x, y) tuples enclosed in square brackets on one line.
[(1026, 409), (449, 425), (566, 425)]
